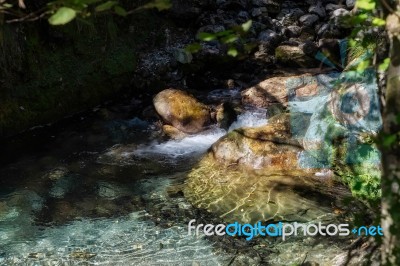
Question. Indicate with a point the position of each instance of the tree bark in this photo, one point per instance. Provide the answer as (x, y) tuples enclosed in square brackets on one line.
[(391, 155)]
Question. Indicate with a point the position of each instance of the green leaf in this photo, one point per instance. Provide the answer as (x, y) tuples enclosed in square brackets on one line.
[(229, 39), (247, 25), (384, 66), (366, 4), (359, 18), (159, 4), (363, 65), (120, 11), (205, 36), (224, 33), (62, 16), (193, 48), (6, 5), (232, 51), (105, 6), (378, 22)]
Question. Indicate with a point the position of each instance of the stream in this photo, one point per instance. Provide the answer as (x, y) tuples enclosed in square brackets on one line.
[(95, 192), (107, 190)]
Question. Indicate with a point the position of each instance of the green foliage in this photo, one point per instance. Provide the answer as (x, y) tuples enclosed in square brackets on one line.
[(62, 16), (385, 65), (364, 40), (366, 4), (231, 38), (159, 4), (64, 11), (105, 6), (359, 169)]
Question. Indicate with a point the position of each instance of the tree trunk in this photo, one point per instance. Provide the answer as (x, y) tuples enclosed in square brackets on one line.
[(391, 155)]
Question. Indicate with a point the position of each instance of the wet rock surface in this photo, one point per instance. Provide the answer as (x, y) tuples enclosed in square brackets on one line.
[(182, 110)]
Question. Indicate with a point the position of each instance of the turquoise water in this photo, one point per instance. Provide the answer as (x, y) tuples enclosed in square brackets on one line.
[(103, 192), (107, 190)]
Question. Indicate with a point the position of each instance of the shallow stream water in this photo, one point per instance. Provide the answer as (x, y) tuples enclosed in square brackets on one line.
[(106, 190), (95, 193)]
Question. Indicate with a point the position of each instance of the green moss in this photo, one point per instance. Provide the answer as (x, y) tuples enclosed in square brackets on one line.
[(358, 166)]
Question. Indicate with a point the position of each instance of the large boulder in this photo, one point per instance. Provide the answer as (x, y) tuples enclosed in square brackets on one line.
[(182, 111), (253, 174), (275, 90), (269, 146)]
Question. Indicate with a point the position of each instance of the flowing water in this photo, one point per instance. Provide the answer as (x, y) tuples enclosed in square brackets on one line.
[(106, 189), (102, 191)]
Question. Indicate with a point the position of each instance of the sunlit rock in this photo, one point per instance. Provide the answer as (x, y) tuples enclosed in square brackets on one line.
[(267, 146), (275, 90), (182, 110), (173, 132), (294, 56)]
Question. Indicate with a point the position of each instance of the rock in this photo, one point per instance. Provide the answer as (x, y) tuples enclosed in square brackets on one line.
[(350, 3), (258, 2), (294, 56), (308, 20), (317, 9), (182, 56), (332, 7), (331, 31), (307, 90), (309, 48), (290, 16), (182, 110), (211, 29), (269, 188), (292, 31), (270, 91), (275, 109), (269, 38), (256, 12), (340, 16), (225, 115), (173, 132), (273, 6), (307, 35), (269, 146)]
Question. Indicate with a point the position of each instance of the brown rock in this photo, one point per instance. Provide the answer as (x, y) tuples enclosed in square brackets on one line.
[(294, 56), (270, 91), (173, 132), (182, 110), (269, 146), (307, 90)]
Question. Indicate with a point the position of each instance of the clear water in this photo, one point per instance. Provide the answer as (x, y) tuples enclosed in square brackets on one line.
[(97, 193), (105, 190)]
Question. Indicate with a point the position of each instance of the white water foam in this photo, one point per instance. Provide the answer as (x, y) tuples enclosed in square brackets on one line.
[(198, 144)]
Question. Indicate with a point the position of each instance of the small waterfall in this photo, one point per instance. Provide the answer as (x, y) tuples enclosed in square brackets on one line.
[(195, 145)]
